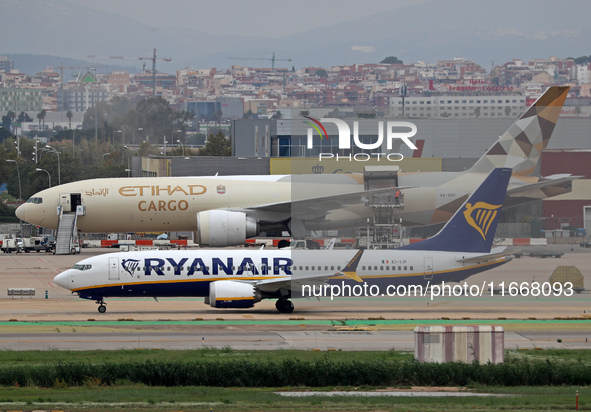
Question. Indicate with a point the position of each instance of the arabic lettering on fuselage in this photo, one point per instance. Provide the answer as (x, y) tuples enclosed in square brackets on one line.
[(97, 192), (215, 266)]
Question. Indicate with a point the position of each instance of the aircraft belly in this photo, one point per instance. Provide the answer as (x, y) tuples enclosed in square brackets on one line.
[(185, 288)]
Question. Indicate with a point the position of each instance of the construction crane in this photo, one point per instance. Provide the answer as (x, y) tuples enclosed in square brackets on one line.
[(153, 58), (272, 59), (61, 67)]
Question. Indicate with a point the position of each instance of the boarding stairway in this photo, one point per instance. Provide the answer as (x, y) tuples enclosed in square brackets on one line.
[(384, 228), (67, 233)]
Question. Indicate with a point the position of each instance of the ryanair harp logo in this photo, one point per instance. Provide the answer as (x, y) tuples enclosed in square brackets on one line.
[(480, 216), (130, 265)]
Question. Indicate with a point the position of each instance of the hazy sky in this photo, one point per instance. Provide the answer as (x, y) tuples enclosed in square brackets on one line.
[(269, 18)]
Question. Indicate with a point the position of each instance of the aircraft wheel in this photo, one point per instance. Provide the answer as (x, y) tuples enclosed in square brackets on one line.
[(284, 306), (102, 309)]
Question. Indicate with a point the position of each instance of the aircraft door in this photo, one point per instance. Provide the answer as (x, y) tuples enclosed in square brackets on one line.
[(113, 268), (69, 201), (428, 269), (65, 202)]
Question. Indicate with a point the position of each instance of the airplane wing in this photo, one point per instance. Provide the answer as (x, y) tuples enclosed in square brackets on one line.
[(273, 285), (318, 207), (545, 187)]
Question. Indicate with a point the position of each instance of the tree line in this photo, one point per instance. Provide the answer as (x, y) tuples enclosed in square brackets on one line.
[(112, 132)]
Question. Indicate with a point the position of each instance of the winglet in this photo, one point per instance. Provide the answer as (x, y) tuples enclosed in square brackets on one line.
[(331, 244), (350, 270)]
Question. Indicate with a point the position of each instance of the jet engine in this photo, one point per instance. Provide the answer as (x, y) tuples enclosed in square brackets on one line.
[(225, 227), (232, 294)]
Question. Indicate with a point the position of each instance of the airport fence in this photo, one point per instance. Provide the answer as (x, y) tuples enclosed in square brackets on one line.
[(293, 372)]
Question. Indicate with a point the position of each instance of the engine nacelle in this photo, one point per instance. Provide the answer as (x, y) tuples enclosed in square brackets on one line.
[(225, 227), (231, 294)]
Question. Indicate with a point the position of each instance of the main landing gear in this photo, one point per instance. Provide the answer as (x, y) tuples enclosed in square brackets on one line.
[(284, 305), (102, 305)]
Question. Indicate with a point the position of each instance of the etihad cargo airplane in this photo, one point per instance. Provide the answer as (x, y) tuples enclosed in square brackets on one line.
[(230, 278), (226, 210)]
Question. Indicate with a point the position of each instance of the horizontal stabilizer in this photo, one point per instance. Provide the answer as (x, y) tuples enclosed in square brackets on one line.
[(486, 258), (544, 188)]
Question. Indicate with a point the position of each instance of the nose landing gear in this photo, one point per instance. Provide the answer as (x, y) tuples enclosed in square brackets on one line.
[(102, 305)]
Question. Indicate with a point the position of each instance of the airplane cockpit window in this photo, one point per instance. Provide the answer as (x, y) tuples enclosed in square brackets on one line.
[(35, 200), (82, 267)]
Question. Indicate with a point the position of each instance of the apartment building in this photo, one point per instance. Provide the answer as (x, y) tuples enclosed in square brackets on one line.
[(463, 106)]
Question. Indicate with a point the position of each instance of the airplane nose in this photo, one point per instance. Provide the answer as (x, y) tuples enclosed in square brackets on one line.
[(20, 212), (62, 279)]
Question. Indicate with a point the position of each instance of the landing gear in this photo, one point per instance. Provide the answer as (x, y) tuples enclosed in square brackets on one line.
[(102, 306), (284, 305)]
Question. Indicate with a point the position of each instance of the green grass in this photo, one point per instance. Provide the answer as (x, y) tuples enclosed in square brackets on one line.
[(242, 399), (94, 394), (142, 355)]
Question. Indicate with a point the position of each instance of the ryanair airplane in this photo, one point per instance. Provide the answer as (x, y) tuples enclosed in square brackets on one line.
[(241, 278)]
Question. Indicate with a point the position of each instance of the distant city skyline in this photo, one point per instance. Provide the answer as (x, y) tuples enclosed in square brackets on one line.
[(200, 34)]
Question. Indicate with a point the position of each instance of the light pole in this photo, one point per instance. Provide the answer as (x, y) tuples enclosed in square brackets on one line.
[(36, 156), (48, 175), (59, 170), (128, 172), (105, 154), (183, 146), (130, 148)]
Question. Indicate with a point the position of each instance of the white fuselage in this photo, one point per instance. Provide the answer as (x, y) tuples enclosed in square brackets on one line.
[(189, 273)]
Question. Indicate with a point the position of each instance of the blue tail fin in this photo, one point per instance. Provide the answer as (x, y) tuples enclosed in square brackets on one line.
[(473, 226)]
